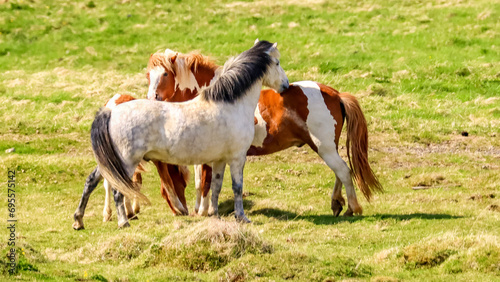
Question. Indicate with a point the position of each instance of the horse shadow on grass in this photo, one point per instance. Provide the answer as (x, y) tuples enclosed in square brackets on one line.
[(328, 219), (226, 208)]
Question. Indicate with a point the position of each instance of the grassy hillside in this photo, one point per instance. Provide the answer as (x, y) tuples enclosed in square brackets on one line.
[(424, 71)]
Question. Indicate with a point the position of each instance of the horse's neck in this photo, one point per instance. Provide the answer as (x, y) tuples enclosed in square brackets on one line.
[(248, 102), (184, 78), (188, 83), (205, 75)]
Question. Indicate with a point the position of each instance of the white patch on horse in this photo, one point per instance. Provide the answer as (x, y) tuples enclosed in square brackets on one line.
[(260, 129), (184, 78), (320, 122), (112, 102), (154, 79)]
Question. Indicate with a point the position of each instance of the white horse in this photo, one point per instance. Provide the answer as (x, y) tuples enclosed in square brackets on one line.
[(216, 127)]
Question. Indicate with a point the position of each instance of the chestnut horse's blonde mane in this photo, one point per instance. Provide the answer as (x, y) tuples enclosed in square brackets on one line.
[(159, 59), (192, 61)]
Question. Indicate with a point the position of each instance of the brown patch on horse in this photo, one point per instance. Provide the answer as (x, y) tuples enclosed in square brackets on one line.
[(285, 128), (124, 98)]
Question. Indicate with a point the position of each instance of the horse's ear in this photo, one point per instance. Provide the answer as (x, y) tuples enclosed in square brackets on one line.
[(256, 41), (275, 45), (173, 58)]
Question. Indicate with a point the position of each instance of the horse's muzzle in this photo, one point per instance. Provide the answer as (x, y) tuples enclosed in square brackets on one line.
[(284, 86)]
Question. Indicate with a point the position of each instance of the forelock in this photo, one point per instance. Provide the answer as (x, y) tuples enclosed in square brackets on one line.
[(159, 59)]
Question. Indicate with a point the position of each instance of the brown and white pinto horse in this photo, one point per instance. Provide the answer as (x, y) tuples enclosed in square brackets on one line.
[(306, 113)]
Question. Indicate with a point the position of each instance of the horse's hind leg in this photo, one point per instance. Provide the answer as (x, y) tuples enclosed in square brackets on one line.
[(106, 212), (337, 164), (120, 210), (90, 184), (337, 200)]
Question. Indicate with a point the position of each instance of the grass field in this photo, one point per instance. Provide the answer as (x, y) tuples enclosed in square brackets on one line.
[(424, 72)]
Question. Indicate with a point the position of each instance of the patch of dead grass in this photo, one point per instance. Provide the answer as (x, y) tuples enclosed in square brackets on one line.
[(207, 245), (454, 253)]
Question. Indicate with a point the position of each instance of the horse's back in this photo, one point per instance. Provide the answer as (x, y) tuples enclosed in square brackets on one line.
[(305, 112)]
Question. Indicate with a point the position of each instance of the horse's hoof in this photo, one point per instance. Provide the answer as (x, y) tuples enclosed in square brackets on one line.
[(132, 216), (209, 212), (125, 225), (182, 212), (242, 219), (78, 226), (336, 207), (106, 218), (348, 213)]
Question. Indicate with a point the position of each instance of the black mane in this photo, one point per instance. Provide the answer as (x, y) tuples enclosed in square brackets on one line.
[(240, 74)]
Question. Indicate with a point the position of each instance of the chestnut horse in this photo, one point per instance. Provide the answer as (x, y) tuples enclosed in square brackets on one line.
[(306, 113)]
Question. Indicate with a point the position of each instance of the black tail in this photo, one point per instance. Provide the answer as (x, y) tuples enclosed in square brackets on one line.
[(110, 163)]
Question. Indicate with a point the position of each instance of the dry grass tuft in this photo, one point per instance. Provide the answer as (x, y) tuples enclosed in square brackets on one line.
[(122, 247), (454, 253), (208, 245)]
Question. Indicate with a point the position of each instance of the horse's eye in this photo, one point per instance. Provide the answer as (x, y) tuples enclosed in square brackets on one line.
[(165, 74)]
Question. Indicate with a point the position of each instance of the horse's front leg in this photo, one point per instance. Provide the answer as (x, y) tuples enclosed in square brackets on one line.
[(168, 190), (236, 168), (197, 184), (216, 185), (90, 184), (137, 178), (120, 209)]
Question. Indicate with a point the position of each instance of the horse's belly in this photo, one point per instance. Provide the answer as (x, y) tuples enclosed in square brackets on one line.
[(189, 155), (206, 144)]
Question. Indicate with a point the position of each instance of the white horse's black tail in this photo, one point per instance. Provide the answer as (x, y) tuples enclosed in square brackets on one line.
[(110, 163)]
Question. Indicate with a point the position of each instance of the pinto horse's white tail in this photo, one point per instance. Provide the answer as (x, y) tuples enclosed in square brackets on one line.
[(110, 163), (357, 147)]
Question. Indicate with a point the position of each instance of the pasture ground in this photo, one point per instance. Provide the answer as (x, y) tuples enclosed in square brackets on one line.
[(424, 72)]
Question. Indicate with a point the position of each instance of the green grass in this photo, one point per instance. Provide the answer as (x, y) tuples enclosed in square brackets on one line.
[(424, 72)]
